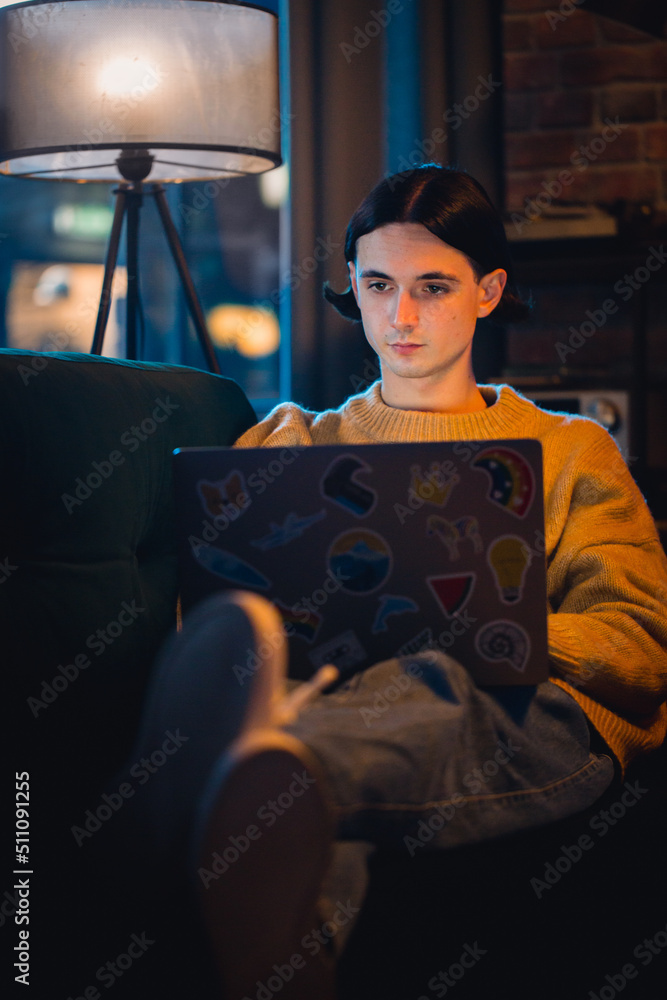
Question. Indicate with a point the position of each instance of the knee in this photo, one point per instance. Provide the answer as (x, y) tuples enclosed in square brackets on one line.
[(444, 675)]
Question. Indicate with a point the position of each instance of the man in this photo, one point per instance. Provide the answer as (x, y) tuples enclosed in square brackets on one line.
[(427, 258)]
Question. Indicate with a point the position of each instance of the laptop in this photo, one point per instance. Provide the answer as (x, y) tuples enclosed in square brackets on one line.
[(376, 551)]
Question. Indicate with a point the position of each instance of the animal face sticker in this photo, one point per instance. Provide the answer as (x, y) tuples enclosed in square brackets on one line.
[(217, 498)]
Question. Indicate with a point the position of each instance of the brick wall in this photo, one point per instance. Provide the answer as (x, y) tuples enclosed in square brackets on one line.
[(586, 108)]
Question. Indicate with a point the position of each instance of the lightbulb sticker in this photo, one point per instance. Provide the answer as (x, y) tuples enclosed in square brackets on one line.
[(509, 557), (504, 642)]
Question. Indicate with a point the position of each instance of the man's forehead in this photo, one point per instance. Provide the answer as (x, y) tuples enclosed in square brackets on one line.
[(407, 242)]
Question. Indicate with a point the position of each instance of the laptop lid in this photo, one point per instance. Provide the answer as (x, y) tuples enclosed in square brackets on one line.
[(375, 551)]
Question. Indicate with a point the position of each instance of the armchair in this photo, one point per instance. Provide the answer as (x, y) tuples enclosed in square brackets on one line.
[(89, 591)]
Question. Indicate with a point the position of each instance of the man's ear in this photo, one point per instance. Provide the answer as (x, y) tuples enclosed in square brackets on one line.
[(352, 269), (491, 287)]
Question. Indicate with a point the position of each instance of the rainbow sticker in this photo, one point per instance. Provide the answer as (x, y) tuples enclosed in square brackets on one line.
[(300, 621), (512, 480), (362, 559)]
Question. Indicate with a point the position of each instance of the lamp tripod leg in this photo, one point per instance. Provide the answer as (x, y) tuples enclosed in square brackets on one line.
[(109, 271), (194, 306), (133, 206)]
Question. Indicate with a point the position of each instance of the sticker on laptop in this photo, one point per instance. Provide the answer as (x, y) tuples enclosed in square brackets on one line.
[(509, 557), (344, 651), (340, 484), (451, 533), (362, 559), (423, 640), (229, 567), (300, 621), (504, 642), (452, 592), (226, 498), (390, 604), (512, 483), (434, 486), (282, 534)]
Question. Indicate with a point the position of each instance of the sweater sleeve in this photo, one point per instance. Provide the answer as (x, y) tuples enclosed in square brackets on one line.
[(287, 425), (607, 584)]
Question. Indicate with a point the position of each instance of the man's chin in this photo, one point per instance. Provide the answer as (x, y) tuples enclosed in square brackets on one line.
[(406, 369)]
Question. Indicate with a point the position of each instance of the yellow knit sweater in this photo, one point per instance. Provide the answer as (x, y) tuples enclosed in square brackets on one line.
[(606, 570)]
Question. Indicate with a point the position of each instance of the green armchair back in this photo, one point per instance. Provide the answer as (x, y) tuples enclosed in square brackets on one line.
[(88, 582)]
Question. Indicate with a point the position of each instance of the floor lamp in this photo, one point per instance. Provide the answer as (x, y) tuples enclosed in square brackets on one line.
[(163, 91)]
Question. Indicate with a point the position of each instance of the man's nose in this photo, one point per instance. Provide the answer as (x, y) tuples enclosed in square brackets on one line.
[(405, 312)]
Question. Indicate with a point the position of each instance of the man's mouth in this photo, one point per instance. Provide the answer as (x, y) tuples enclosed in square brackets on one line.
[(405, 348)]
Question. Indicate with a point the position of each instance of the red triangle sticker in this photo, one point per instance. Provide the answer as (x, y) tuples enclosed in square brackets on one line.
[(452, 592)]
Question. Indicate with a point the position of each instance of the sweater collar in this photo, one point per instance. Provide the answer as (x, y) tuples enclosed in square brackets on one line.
[(506, 415)]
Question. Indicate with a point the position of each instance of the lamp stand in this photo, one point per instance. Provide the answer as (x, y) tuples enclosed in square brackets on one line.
[(129, 198)]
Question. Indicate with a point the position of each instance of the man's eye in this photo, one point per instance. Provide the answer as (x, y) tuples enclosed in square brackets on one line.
[(378, 286), (436, 289)]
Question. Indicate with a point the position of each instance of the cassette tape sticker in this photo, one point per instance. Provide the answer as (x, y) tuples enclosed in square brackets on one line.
[(344, 651), (423, 640)]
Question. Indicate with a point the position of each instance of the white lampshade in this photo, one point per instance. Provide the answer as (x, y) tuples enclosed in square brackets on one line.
[(193, 82)]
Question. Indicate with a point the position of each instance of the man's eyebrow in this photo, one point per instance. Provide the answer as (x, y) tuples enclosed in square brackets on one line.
[(438, 276), (429, 276), (370, 273)]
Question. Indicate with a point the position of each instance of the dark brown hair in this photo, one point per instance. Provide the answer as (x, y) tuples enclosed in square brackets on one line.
[(454, 207)]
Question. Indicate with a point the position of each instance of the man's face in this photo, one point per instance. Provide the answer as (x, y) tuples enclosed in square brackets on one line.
[(420, 301)]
